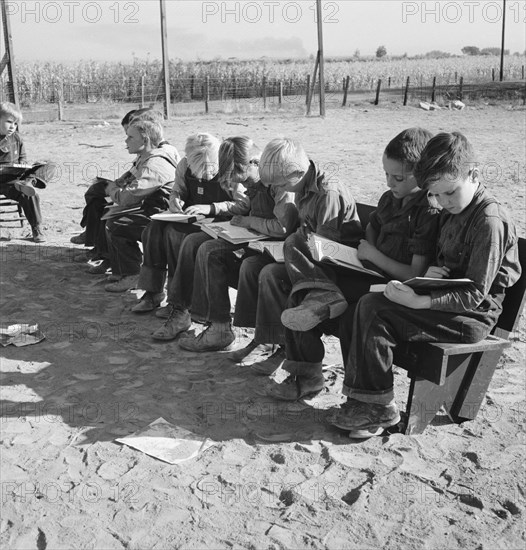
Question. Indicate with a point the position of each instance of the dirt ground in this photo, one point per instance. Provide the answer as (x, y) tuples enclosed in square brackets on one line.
[(279, 476)]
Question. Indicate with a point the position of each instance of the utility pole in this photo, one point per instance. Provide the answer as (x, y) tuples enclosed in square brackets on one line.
[(166, 61), (320, 55), (502, 44), (8, 60)]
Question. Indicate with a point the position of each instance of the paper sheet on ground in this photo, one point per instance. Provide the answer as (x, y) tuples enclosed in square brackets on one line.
[(20, 335), (167, 442)]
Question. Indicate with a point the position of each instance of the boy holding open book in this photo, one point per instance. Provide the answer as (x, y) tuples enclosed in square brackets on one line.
[(477, 241), (400, 243)]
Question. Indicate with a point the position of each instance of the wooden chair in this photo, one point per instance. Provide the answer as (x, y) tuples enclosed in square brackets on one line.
[(456, 376), (11, 211)]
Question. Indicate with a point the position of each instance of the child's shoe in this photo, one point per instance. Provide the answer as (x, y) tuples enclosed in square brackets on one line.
[(126, 283), (100, 268), (38, 235), (178, 321), (78, 239), (318, 306), (148, 302), (215, 337), (25, 187)]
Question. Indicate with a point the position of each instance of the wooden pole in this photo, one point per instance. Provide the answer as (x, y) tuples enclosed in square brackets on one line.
[(207, 92), (345, 91), (142, 91), (9, 57), (308, 89), (280, 93), (433, 89), (313, 83), (502, 43), (321, 60), (377, 100), (166, 61), (264, 91), (460, 88), (406, 91)]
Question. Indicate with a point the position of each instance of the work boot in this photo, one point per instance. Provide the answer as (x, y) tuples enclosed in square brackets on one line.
[(317, 306)]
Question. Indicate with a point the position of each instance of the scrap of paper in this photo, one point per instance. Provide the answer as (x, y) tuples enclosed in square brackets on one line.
[(20, 335), (167, 442)]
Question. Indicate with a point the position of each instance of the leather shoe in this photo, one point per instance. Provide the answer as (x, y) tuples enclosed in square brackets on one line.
[(148, 302)]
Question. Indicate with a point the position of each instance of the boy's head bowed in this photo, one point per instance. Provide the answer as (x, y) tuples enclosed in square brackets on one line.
[(284, 163), (447, 155)]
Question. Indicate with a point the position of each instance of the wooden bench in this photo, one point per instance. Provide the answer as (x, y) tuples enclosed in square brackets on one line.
[(455, 376)]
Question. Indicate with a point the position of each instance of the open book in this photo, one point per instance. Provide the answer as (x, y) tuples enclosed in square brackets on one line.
[(231, 233), (325, 250), (426, 284), (273, 248), (178, 217), (9, 172)]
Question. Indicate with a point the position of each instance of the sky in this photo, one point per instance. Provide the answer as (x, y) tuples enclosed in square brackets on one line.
[(111, 30)]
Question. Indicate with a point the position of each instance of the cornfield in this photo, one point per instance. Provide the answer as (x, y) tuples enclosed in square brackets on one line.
[(90, 81)]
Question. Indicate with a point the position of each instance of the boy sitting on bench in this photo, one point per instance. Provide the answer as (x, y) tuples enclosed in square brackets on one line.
[(478, 241)]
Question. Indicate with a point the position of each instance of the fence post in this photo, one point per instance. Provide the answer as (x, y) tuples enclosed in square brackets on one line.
[(234, 88), (456, 77), (389, 82), (493, 75), (192, 86), (433, 89), (280, 93), (460, 86), (264, 92), (406, 91), (523, 72), (60, 96), (308, 89), (142, 91), (376, 101), (345, 90), (207, 93)]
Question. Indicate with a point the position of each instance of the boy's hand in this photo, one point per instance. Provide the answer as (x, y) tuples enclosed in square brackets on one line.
[(240, 221), (197, 209), (366, 250), (438, 272), (404, 295), (175, 205)]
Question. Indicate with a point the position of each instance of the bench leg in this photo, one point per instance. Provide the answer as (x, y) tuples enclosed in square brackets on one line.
[(425, 397), (474, 386)]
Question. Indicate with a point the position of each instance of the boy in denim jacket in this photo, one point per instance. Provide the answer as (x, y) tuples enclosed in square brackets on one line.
[(477, 240)]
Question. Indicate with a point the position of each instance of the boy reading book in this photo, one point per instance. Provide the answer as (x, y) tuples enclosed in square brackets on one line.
[(325, 206), (400, 243), (477, 240), (22, 189)]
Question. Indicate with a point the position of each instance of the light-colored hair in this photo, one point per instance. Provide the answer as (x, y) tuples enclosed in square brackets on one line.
[(202, 151), (151, 131), (283, 159), (10, 109), (235, 155), (147, 114)]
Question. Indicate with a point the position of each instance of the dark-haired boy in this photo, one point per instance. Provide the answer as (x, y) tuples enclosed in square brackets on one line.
[(478, 241), (400, 243)]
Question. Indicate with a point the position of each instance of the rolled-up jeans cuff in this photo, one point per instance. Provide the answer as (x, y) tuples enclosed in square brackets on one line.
[(302, 368), (151, 279), (385, 397)]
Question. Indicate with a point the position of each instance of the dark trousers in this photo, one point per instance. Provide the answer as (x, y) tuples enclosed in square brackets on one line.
[(161, 243), (379, 325), (96, 202), (30, 205), (181, 287), (123, 235)]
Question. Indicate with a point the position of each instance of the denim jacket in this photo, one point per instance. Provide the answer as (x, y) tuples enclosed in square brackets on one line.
[(480, 243)]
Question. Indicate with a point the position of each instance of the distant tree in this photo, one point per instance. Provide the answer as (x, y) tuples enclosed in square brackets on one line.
[(381, 52), (470, 50), (493, 51), (356, 54), (437, 54)]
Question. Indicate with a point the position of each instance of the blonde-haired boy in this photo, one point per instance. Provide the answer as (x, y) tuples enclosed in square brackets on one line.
[(12, 151)]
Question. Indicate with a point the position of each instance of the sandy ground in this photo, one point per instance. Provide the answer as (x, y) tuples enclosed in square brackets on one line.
[(279, 476)]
